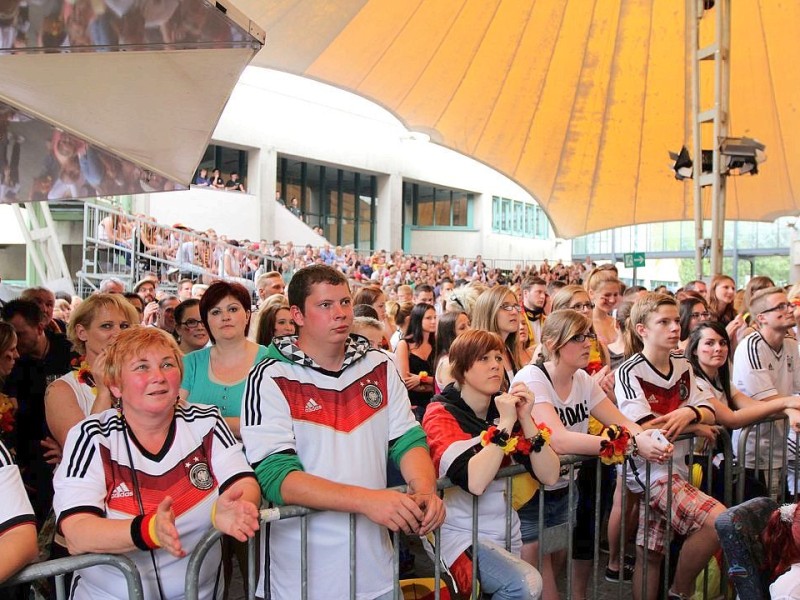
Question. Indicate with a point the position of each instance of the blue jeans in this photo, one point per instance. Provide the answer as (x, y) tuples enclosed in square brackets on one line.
[(505, 576)]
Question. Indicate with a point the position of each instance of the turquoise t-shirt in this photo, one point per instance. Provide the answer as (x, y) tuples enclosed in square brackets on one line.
[(203, 389)]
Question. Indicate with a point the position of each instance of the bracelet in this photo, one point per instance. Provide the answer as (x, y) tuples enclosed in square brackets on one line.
[(540, 439), (634, 447), (143, 532), (500, 437), (698, 416), (214, 515)]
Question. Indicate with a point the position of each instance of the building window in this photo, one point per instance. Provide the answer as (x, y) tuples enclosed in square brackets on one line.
[(342, 202), (437, 207), (519, 218), (227, 160)]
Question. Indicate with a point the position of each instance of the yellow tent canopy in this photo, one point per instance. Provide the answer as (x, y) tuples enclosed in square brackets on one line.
[(579, 101)]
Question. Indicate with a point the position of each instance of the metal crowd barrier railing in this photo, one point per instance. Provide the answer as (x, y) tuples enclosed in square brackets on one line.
[(138, 254), (763, 466), (568, 463), (60, 567)]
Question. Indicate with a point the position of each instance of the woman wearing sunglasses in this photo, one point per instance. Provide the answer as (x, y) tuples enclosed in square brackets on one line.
[(565, 395)]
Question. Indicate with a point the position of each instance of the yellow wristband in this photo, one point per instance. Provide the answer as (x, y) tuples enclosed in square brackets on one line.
[(151, 529), (214, 515)]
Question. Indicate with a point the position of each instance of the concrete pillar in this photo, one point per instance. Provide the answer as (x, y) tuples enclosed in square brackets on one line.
[(389, 213), (262, 174)]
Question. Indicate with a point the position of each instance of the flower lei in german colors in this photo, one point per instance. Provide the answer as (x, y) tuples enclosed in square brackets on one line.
[(516, 443), (614, 445), (84, 373)]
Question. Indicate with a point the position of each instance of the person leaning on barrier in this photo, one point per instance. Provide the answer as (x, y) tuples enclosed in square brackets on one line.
[(17, 521), (766, 365), (149, 478), (708, 350), (320, 417), (656, 388), (566, 396), (473, 429)]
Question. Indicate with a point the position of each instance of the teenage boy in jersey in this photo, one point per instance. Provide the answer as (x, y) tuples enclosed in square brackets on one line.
[(656, 388), (766, 365), (320, 416)]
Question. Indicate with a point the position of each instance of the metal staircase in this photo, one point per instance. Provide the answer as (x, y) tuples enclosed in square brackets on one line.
[(44, 248)]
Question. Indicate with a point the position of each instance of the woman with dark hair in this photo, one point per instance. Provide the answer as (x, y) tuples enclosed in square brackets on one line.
[(275, 322), (721, 295), (190, 332), (450, 326), (400, 317), (216, 375), (708, 351), (414, 357), (693, 310), (373, 296)]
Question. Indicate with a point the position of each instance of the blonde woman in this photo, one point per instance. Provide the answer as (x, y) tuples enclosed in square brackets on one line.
[(93, 327), (604, 292), (565, 396), (498, 310)]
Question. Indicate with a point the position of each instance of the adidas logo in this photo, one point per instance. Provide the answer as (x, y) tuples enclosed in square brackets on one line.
[(121, 491), (312, 406)]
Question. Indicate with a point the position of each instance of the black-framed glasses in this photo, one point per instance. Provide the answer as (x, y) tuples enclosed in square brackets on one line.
[(583, 306), (705, 315), (783, 306), (582, 337), (511, 307), (191, 323)]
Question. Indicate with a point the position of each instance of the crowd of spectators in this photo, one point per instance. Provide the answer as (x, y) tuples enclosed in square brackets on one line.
[(216, 181), (563, 357)]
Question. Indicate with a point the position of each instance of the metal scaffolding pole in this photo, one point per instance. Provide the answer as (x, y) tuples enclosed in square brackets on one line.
[(715, 117)]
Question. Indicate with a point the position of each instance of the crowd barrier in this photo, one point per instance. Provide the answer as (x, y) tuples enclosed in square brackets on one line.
[(553, 539), (59, 567), (764, 469)]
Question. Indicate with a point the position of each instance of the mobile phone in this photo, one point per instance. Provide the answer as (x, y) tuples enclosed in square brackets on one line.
[(659, 437)]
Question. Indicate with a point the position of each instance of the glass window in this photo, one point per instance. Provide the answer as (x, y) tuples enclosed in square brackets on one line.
[(497, 214), (506, 227), (461, 202), (443, 205), (328, 195), (227, 160), (332, 191), (365, 235), (542, 224), (519, 212), (423, 213), (348, 195), (348, 232), (312, 201)]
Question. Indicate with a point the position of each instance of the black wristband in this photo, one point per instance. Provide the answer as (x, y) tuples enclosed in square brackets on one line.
[(697, 414), (136, 533)]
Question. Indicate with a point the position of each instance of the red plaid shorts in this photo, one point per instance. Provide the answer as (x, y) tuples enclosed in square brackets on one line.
[(690, 509)]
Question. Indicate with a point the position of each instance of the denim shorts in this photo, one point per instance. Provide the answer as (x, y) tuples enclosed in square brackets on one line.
[(556, 503)]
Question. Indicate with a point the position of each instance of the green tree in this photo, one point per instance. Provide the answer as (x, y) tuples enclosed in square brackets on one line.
[(774, 267)]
